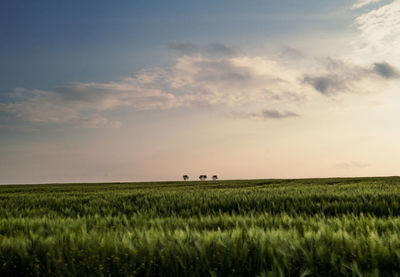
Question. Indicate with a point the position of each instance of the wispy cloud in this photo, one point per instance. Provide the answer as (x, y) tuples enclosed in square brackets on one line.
[(197, 80), (236, 81), (363, 3), (277, 114), (183, 47), (379, 37), (271, 114), (345, 77), (189, 48), (326, 84), (288, 52), (219, 49), (265, 114), (86, 102), (386, 70)]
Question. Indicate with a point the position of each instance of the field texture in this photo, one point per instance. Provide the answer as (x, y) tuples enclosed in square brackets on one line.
[(308, 227)]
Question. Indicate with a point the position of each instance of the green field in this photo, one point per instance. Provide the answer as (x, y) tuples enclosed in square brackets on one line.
[(305, 227)]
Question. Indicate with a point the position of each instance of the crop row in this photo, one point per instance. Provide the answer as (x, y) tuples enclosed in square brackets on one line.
[(234, 252), (379, 197)]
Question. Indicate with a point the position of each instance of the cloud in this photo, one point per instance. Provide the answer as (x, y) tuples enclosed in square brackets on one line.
[(197, 80), (327, 84), (344, 77), (86, 102), (183, 47), (219, 49), (363, 3), (235, 81), (337, 76), (213, 49), (194, 81), (351, 165), (378, 41), (379, 37), (273, 114), (385, 70), (290, 53)]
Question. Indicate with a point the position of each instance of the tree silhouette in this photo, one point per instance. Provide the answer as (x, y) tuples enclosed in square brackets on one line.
[(185, 177), (203, 177), (215, 177)]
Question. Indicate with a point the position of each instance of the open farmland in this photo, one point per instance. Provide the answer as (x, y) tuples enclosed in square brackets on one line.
[(308, 227)]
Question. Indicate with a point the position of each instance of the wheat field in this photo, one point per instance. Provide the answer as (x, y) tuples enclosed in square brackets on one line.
[(299, 227)]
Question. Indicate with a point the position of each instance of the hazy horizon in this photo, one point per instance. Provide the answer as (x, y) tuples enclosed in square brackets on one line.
[(96, 91)]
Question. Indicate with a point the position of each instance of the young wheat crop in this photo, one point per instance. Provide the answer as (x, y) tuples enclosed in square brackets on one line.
[(306, 227)]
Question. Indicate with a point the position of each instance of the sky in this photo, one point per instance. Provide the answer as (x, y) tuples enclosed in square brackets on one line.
[(118, 91)]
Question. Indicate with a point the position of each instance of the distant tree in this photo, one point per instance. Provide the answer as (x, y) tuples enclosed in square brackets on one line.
[(215, 177), (202, 177), (185, 177)]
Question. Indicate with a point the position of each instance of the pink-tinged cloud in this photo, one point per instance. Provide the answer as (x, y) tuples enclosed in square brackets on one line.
[(229, 82)]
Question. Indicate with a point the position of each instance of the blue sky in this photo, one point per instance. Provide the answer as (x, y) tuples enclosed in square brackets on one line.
[(48, 43), (141, 90)]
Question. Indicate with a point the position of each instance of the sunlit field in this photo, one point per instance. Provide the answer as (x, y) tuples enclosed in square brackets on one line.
[(305, 227)]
